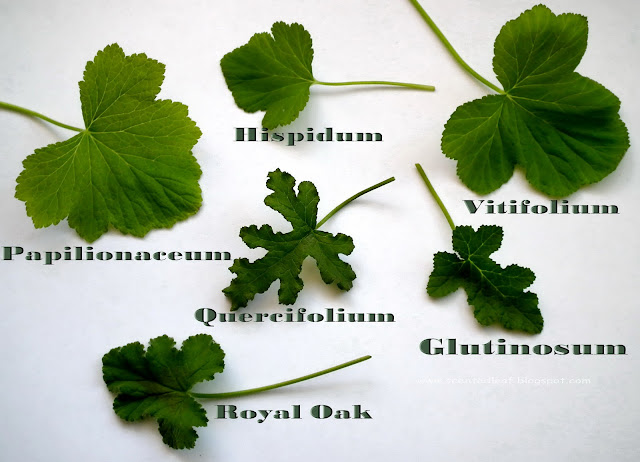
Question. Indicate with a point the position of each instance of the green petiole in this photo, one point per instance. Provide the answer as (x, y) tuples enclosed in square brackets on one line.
[(415, 86), (352, 198), (29, 112), (449, 47), (250, 391), (435, 195)]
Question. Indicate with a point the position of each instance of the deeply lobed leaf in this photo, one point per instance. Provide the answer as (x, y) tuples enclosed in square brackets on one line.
[(156, 383), (496, 293), (287, 251), (131, 168), (562, 128)]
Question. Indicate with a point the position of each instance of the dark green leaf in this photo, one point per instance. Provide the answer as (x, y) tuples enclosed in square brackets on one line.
[(562, 128), (287, 251), (496, 293), (157, 383)]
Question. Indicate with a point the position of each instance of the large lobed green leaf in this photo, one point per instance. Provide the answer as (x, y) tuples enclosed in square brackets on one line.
[(287, 251), (496, 293), (131, 168), (156, 383), (272, 74), (563, 129)]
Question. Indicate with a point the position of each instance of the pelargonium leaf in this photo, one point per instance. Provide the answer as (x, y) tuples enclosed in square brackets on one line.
[(272, 73), (562, 128), (287, 251), (130, 168), (156, 383), (497, 294)]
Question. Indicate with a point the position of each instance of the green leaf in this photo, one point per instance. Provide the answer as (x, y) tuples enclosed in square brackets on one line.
[(563, 129), (156, 383), (131, 168), (287, 251), (272, 74), (496, 293)]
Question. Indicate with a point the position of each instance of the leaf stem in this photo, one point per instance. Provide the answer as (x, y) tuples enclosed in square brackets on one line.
[(352, 198), (415, 86), (12, 107), (233, 394), (449, 47), (435, 195)]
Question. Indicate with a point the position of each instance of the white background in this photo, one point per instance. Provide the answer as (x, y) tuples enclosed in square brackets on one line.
[(57, 321)]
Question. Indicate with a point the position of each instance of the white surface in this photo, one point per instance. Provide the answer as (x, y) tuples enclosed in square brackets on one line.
[(57, 321)]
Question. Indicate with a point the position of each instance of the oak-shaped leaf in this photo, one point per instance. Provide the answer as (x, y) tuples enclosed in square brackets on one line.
[(287, 251), (272, 73), (497, 294), (156, 383), (562, 128), (130, 168)]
